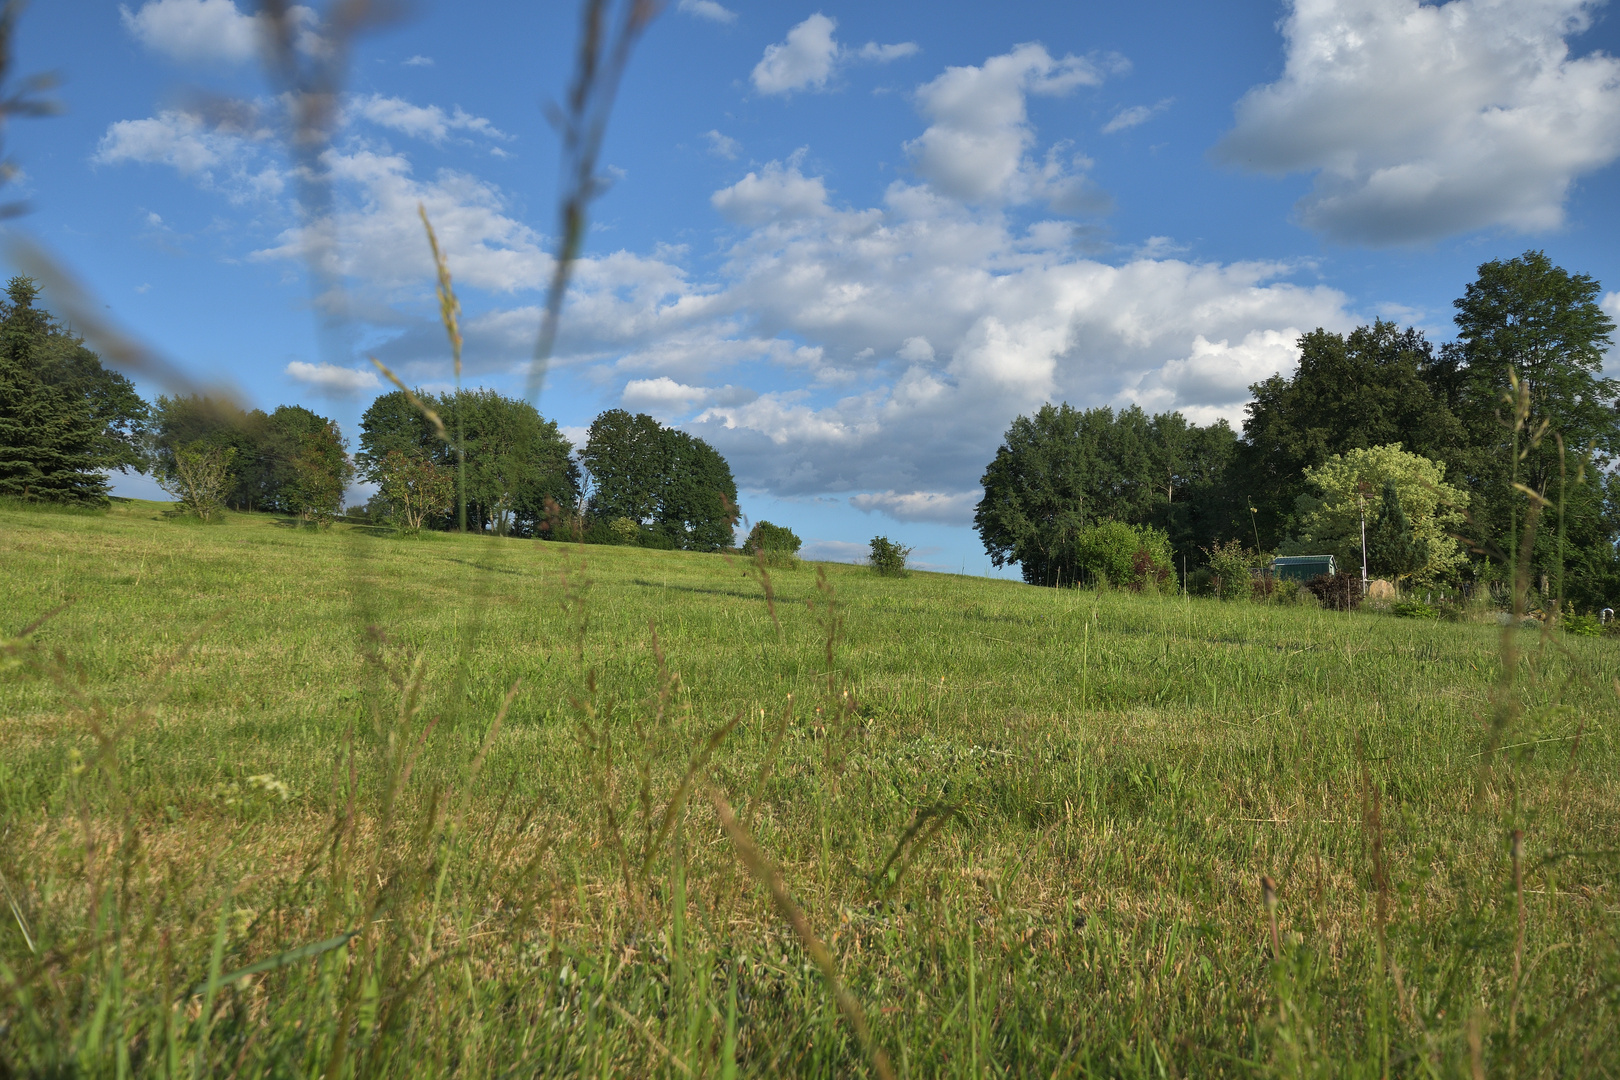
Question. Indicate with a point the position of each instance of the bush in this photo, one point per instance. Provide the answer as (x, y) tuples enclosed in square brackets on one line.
[(1413, 609), (888, 558), (201, 478), (778, 545), (1229, 565), (1341, 592), (1136, 557), (624, 531), (1582, 625)]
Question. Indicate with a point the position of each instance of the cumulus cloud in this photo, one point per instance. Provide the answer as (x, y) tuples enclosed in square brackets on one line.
[(707, 9), (226, 157), (209, 30), (869, 352), (379, 236), (1134, 116), (977, 146), (723, 145), (333, 379), (803, 61), (428, 122), (944, 508), (776, 193), (1424, 120), (419, 61), (810, 56)]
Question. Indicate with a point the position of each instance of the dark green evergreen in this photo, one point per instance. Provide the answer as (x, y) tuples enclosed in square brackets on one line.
[(53, 444)]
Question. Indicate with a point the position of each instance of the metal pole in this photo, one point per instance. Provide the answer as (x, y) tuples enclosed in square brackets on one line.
[(1361, 503)]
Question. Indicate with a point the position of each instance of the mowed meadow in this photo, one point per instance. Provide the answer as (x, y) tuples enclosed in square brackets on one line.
[(287, 802)]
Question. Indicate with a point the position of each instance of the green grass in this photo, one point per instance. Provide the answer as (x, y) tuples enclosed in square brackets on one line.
[(1094, 785)]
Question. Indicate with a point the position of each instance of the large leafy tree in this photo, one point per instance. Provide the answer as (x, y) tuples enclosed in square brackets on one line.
[(676, 485), (698, 497), (624, 456), (518, 463), (1410, 509), (61, 413), (1369, 388), (1063, 471), (198, 421), (1527, 319)]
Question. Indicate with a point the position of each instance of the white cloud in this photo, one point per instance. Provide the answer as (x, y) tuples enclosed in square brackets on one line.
[(875, 351), (945, 508), (1215, 376), (803, 61), (1134, 116), (810, 56), (422, 122), (380, 241), (707, 9), (223, 157), (976, 147), (835, 551), (776, 193), (419, 61), (723, 145), (333, 379), (883, 54), (209, 30), (1425, 120)]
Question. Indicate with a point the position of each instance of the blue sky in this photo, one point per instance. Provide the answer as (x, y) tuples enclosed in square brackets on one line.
[(845, 243)]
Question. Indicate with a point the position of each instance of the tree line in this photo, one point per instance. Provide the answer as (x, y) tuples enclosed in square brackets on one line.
[(465, 459), (1452, 456)]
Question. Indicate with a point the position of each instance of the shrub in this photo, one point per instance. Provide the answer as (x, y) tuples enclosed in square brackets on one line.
[(624, 531), (1229, 565), (1135, 557), (778, 545), (1582, 625), (1413, 609), (1341, 592), (201, 478), (888, 558), (414, 489)]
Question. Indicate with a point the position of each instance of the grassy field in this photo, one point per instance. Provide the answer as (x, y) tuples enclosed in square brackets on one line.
[(1012, 831)]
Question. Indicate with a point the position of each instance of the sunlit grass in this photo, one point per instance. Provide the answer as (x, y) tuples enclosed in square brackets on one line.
[(1103, 779)]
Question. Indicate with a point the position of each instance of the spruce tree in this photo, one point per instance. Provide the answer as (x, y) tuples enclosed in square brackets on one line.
[(50, 447)]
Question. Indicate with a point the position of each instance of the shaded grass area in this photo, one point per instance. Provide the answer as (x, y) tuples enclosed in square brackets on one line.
[(1028, 825)]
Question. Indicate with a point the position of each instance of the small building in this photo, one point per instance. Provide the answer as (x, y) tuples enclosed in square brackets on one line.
[(1303, 567)]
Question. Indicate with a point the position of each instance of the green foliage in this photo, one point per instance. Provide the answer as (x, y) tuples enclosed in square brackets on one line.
[(1348, 393), (414, 488), (1063, 471), (1135, 557), (776, 541), (1230, 566), (1413, 609), (676, 485), (519, 467), (887, 557), (1581, 625), (200, 478), (54, 420), (624, 530), (1348, 486)]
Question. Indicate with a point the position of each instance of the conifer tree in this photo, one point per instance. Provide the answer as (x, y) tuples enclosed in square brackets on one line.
[(50, 446)]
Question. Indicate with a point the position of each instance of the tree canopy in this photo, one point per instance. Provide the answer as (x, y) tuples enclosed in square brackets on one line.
[(675, 485), (1064, 470), (517, 462)]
